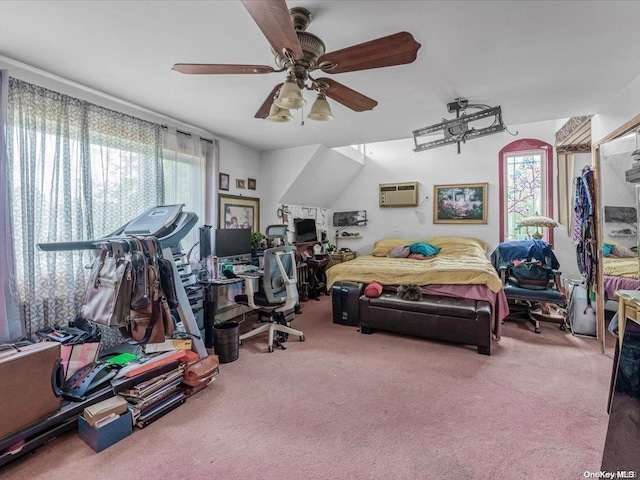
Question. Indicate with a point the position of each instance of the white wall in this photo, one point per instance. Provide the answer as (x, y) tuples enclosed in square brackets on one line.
[(477, 163), (240, 163)]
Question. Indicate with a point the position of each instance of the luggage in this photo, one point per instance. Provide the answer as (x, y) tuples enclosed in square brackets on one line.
[(30, 380), (580, 314), (345, 299)]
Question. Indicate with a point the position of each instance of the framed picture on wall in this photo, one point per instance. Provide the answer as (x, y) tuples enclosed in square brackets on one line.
[(223, 182), (241, 183), (251, 183), (239, 212), (460, 203)]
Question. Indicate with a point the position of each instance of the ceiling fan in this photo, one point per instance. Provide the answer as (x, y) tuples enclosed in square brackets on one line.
[(300, 53)]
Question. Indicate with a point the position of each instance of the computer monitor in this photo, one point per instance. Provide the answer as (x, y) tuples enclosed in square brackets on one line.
[(233, 242), (305, 229)]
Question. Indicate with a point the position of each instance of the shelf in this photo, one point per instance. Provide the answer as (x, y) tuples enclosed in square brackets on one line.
[(622, 234), (340, 237)]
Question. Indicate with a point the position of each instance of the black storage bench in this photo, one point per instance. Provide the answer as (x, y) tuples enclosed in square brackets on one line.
[(448, 319)]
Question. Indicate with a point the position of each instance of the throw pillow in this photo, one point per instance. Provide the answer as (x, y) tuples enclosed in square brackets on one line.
[(621, 251), (400, 252), (373, 290), (606, 249), (425, 249)]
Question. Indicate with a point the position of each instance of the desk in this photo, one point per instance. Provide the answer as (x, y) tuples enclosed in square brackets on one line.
[(623, 432)]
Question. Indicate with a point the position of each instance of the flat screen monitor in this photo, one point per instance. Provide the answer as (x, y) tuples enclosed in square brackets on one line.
[(233, 242), (620, 214), (305, 230)]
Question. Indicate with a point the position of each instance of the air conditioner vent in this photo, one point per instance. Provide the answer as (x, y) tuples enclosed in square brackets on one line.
[(399, 194)]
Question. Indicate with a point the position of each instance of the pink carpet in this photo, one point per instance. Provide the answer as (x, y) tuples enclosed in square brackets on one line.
[(343, 405)]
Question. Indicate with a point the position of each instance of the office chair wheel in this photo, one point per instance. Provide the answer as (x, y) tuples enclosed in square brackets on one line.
[(270, 348), (302, 338), (537, 330)]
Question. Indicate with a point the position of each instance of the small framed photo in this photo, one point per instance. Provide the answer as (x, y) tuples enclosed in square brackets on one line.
[(251, 183), (461, 203), (224, 182), (241, 183)]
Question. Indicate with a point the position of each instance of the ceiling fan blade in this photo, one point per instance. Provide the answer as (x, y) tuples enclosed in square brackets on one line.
[(272, 16), (347, 97), (263, 111), (396, 49), (219, 68)]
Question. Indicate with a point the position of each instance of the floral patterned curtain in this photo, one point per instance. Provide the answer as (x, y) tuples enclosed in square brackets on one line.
[(77, 171)]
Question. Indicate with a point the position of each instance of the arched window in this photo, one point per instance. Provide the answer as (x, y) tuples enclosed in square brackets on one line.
[(526, 188)]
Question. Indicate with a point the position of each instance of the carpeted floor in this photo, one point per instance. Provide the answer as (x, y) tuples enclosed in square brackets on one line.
[(343, 405)]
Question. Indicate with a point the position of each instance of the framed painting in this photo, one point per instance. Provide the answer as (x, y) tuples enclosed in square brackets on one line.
[(251, 183), (239, 212), (460, 203), (224, 181), (241, 183)]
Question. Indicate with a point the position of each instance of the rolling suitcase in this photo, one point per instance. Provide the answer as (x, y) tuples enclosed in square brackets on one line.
[(345, 299)]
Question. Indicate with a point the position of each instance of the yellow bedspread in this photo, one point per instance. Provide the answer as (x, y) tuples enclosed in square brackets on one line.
[(461, 261), (621, 267)]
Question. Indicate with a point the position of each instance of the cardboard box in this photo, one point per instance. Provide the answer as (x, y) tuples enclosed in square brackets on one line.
[(107, 435), (168, 346), (99, 410)]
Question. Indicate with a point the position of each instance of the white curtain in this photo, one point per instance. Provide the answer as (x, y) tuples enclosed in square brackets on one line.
[(187, 159), (11, 328), (78, 172)]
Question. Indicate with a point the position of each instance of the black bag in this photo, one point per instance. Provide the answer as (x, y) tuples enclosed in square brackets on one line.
[(530, 274)]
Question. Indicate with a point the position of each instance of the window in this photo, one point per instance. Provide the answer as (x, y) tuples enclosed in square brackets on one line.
[(185, 158), (526, 188)]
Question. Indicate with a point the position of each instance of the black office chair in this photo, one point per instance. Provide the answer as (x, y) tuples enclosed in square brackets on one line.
[(531, 280), (278, 297)]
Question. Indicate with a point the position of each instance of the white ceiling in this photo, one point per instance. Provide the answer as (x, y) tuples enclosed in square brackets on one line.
[(539, 60)]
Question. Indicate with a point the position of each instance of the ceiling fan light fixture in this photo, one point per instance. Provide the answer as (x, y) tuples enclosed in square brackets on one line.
[(290, 96), (320, 110), (279, 115)]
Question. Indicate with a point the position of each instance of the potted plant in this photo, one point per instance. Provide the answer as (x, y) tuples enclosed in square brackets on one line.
[(256, 240)]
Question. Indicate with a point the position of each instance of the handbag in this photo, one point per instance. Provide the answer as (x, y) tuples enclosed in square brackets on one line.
[(151, 320), (201, 371), (108, 294)]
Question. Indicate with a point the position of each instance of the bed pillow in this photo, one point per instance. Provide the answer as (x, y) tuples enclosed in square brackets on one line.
[(621, 251), (425, 249), (384, 246), (373, 290), (400, 252)]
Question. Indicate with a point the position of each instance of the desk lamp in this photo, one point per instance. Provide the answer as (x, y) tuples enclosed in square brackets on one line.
[(537, 221)]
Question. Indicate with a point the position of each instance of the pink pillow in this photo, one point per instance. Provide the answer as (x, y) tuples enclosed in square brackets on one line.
[(373, 290)]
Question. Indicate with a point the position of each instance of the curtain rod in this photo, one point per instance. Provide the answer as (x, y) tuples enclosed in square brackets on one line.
[(188, 134)]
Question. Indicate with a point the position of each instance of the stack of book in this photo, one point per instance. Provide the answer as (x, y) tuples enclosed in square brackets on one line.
[(154, 388)]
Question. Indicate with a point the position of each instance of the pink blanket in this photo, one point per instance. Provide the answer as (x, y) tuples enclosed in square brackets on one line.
[(498, 301)]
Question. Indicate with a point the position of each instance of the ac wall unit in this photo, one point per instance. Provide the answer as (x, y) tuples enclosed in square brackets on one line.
[(399, 194)]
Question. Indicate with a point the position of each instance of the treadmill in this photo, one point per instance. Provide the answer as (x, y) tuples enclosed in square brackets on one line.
[(170, 225)]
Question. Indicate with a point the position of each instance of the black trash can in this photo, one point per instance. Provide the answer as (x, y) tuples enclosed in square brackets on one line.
[(226, 341)]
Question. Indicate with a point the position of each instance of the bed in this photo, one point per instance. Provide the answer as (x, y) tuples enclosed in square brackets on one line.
[(620, 273), (460, 270)]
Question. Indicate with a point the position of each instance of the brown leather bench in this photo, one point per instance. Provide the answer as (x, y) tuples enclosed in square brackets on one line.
[(447, 319)]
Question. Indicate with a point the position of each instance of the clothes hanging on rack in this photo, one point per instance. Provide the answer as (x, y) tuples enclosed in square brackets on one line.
[(584, 226)]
